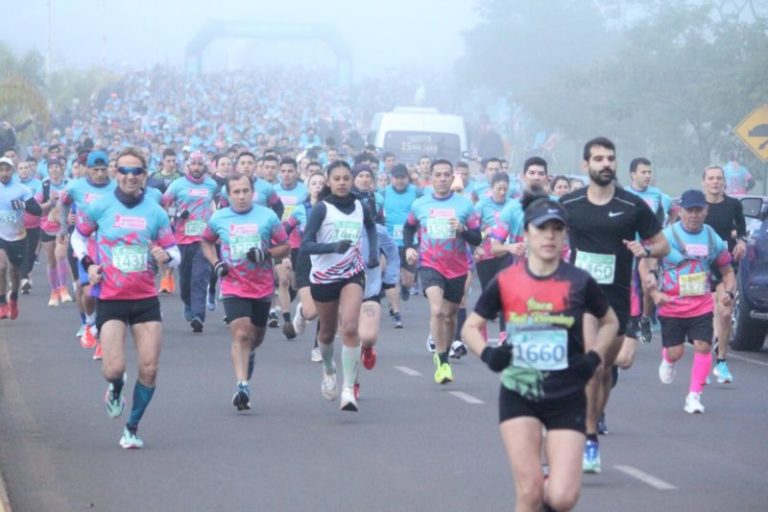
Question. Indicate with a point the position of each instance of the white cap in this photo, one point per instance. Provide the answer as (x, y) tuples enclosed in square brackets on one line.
[(7, 161)]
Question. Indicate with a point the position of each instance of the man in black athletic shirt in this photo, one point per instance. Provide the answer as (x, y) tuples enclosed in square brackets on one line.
[(604, 220), (726, 216)]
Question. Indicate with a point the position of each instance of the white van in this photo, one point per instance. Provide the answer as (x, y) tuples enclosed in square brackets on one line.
[(412, 132)]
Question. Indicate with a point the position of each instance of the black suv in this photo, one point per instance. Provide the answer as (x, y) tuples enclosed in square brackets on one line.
[(749, 322)]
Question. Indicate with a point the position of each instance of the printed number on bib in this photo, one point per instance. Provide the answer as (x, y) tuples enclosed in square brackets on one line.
[(7, 217), (346, 230), (541, 349), (130, 258), (600, 266), (397, 232), (240, 245), (439, 224), (693, 285), (194, 228)]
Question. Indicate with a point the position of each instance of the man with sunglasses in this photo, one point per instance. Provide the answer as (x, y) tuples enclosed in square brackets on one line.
[(79, 194), (192, 197), (131, 233)]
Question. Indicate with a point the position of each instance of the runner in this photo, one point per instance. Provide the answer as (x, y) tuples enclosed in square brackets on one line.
[(544, 300), (161, 180), (130, 230), (726, 215), (491, 167), (332, 239), (559, 186), (446, 225), (15, 199), (738, 179), (192, 198), (684, 294), (251, 235), (603, 223), (27, 170)]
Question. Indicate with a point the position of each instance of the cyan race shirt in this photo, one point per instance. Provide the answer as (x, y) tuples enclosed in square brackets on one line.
[(291, 197), (396, 208), (195, 197)]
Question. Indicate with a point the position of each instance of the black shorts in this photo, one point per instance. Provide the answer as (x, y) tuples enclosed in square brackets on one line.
[(332, 291), (453, 289), (16, 250), (130, 312), (564, 413), (620, 302), (301, 270), (675, 331), (633, 328), (403, 262), (255, 309), (45, 237)]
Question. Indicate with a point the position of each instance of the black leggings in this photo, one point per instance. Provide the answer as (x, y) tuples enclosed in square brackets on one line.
[(33, 237), (486, 271)]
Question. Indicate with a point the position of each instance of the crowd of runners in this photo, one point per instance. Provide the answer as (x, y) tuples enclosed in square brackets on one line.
[(298, 229)]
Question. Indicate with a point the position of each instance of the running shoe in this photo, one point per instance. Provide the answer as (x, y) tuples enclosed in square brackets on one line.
[(602, 425), (693, 403), (443, 372), (666, 372), (13, 309), (722, 373), (328, 387), (131, 439), (171, 283), (4, 311), (458, 350), (26, 286), (242, 398), (274, 320), (646, 335), (397, 321), (316, 356), (80, 331), (210, 299), (348, 402), (98, 355), (368, 355), (115, 405), (430, 344), (164, 286), (591, 461), (405, 293), (88, 338), (54, 300), (288, 331), (196, 324), (64, 295), (299, 322)]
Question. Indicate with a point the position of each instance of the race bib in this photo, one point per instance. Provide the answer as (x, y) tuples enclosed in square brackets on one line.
[(346, 230), (544, 349), (240, 245), (289, 204), (130, 258), (194, 227), (439, 224), (693, 285), (397, 233), (601, 267), (7, 217)]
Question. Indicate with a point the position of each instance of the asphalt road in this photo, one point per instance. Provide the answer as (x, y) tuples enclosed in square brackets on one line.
[(414, 445)]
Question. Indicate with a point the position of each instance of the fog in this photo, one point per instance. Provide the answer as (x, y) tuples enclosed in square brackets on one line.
[(140, 33)]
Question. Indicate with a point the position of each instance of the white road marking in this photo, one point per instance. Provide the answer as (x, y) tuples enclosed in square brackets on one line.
[(467, 398), (646, 478), (747, 359), (408, 371)]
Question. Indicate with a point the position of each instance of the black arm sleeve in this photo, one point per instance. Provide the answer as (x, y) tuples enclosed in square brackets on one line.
[(594, 299), (279, 209), (369, 222), (489, 303), (739, 220), (472, 236), (309, 245), (409, 233), (32, 207)]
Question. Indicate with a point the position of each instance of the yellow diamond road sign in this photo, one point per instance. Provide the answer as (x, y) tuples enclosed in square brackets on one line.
[(753, 130)]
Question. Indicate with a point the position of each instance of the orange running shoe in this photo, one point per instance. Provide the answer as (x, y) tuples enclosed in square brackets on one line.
[(369, 357), (5, 311), (54, 300), (97, 354), (88, 339), (164, 286), (64, 295), (171, 283), (13, 309)]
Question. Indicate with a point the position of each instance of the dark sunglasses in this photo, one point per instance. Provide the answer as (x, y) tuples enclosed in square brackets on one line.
[(136, 171)]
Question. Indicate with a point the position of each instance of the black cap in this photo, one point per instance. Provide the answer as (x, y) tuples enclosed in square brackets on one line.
[(693, 199), (543, 210)]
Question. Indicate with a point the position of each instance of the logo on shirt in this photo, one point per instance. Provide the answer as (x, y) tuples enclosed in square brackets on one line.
[(198, 192), (243, 229), (442, 213), (126, 222), (615, 214), (89, 197)]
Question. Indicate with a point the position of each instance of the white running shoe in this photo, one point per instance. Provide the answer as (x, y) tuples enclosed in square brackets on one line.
[(693, 403), (430, 344), (316, 356), (328, 388), (666, 372), (348, 402), (299, 322), (458, 350)]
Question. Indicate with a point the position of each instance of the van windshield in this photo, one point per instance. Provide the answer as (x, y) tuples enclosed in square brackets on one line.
[(408, 147)]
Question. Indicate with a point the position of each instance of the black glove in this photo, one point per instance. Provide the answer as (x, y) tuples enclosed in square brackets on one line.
[(257, 254), (585, 366), (343, 246), (184, 215), (17, 204), (497, 358), (221, 269)]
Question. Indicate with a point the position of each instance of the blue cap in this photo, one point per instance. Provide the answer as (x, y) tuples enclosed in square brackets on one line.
[(693, 199), (98, 159)]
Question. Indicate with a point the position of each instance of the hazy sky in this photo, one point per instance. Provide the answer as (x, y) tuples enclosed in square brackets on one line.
[(136, 33)]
